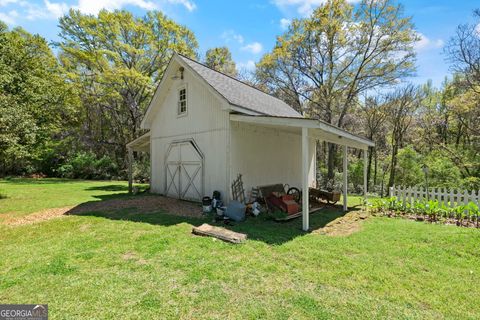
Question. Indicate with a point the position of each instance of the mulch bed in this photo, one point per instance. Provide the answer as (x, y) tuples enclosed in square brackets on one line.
[(141, 204)]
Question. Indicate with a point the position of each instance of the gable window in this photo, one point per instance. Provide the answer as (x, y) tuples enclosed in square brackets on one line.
[(182, 100)]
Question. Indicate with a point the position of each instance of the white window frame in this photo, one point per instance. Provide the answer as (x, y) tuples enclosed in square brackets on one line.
[(184, 113)]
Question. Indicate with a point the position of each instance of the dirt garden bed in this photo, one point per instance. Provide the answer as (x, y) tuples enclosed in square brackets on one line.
[(141, 204), (345, 225)]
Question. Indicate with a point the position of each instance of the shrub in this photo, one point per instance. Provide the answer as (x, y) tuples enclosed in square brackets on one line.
[(65, 171), (85, 165), (141, 169), (471, 183), (443, 172), (409, 168)]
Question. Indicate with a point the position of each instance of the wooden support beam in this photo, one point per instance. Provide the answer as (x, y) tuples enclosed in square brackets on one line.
[(345, 178), (130, 170), (365, 170), (305, 172)]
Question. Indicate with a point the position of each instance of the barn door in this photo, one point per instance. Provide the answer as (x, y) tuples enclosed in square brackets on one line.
[(184, 171)]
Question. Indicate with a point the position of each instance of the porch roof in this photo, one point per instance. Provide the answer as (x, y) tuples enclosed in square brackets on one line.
[(316, 128), (142, 143)]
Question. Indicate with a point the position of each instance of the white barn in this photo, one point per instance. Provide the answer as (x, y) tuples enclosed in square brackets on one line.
[(205, 128)]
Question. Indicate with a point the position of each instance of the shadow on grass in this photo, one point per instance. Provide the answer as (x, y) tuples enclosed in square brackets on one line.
[(116, 187), (260, 229)]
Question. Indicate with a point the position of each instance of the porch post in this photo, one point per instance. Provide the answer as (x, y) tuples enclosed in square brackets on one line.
[(345, 178), (130, 170), (305, 172), (365, 164)]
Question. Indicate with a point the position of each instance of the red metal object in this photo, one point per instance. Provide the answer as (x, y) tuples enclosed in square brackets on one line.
[(284, 202)]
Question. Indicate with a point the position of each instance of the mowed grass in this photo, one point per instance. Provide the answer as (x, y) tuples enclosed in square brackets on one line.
[(23, 196), (139, 266)]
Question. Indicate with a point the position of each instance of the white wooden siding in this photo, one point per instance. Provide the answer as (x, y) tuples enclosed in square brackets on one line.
[(205, 122), (266, 155)]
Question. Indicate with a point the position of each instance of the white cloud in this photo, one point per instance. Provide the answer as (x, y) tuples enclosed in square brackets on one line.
[(254, 47), (304, 7), (4, 3), (9, 17), (189, 5), (230, 35), (249, 65), (93, 7), (284, 23), (426, 43), (56, 9)]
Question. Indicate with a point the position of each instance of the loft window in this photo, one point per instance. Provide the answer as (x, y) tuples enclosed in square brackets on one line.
[(182, 100)]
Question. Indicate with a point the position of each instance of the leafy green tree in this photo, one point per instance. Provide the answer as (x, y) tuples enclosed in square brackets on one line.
[(373, 112), (409, 168), (324, 62), (116, 60), (443, 172), (402, 105), (221, 60), (36, 102)]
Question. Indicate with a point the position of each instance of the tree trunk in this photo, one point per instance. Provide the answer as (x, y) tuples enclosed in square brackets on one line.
[(375, 167), (369, 166), (393, 165), (331, 161)]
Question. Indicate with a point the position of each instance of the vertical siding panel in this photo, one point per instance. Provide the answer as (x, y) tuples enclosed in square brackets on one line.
[(205, 122), (267, 155)]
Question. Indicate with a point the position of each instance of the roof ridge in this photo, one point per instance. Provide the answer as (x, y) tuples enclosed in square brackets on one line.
[(233, 78)]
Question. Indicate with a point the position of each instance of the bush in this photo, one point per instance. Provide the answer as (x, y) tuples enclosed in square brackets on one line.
[(85, 165), (141, 169), (471, 183), (443, 172), (65, 171), (409, 168), (355, 176)]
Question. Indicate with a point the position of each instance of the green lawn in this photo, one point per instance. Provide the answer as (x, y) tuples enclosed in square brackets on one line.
[(128, 265)]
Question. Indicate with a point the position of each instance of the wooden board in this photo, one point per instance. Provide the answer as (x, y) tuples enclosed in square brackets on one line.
[(298, 214), (219, 233)]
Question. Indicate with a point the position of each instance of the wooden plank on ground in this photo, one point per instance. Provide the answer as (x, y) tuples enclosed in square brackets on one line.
[(298, 214), (219, 233)]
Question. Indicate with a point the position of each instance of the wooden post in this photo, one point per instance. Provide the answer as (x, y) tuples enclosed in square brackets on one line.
[(130, 170), (365, 170), (345, 178), (305, 172)]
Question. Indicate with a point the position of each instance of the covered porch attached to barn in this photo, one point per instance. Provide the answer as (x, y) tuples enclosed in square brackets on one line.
[(307, 130), (141, 144)]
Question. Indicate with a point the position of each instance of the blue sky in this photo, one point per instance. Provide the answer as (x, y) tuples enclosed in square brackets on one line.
[(249, 27)]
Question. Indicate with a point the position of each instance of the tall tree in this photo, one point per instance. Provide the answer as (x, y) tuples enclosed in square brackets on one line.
[(463, 50), (463, 99), (401, 107), (374, 114), (323, 63), (117, 59), (36, 101), (221, 60)]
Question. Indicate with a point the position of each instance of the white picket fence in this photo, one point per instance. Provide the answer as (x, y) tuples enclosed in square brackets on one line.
[(451, 198)]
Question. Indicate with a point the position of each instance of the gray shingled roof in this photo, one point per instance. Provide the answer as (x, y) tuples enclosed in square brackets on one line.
[(240, 94)]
